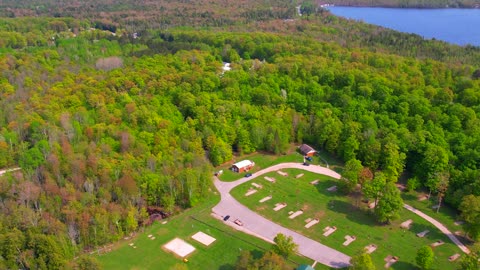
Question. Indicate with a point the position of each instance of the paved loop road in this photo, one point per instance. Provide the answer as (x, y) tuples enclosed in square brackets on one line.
[(440, 226), (266, 229)]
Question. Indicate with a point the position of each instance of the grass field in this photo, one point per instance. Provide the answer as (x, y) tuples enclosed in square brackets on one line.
[(333, 209), (263, 161), (222, 254)]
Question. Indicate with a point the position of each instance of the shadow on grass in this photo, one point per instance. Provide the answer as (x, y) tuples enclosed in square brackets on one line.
[(323, 185), (400, 265), (433, 235), (352, 212), (226, 267), (409, 197)]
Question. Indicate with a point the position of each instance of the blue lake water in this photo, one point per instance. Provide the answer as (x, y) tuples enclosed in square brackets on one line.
[(458, 26)]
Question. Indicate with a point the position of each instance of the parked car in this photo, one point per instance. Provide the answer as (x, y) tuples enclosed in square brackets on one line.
[(238, 222), (248, 175), (226, 218), (306, 164), (309, 158)]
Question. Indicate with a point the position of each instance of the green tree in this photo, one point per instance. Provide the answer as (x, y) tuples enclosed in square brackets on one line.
[(393, 161), (284, 245), (470, 261), (270, 261), (362, 262), (10, 245), (470, 207), (352, 171), (87, 263), (244, 260), (390, 203), (373, 188), (31, 159), (425, 257)]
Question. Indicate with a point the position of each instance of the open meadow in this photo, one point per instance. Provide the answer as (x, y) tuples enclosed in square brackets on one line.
[(146, 253), (349, 215)]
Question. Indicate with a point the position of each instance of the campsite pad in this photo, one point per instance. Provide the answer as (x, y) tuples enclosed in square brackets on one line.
[(179, 247), (203, 238)]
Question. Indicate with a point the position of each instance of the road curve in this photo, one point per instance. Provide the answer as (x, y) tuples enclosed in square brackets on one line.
[(440, 226), (257, 225), (8, 170)]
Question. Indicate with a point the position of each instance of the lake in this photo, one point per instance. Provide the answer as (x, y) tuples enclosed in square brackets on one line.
[(458, 26)]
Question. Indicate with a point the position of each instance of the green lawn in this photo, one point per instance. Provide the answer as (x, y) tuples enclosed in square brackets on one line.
[(222, 254), (447, 215), (262, 161), (343, 212)]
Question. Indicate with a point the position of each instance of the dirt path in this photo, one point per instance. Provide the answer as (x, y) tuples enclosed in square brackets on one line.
[(8, 170), (440, 226)]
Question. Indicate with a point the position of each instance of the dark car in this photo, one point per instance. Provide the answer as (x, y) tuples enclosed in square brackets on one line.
[(248, 175), (309, 158), (226, 218), (306, 164)]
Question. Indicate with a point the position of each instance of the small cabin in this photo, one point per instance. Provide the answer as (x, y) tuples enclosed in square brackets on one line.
[(307, 150), (243, 166)]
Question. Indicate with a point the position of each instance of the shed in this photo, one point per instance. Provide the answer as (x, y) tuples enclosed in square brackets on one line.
[(307, 150), (243, 166)]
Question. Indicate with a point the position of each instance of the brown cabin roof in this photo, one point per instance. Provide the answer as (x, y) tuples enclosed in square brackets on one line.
[(305, 149)]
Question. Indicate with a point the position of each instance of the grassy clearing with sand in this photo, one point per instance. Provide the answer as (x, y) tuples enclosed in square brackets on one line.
[(221, 254), (263, 161), (334, 209)]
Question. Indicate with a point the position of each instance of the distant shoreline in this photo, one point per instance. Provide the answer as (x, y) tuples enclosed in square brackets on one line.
[(393, 5)]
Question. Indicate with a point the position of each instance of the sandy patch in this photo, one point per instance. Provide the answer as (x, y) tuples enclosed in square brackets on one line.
[(257, 185), (250, 192), (265, 199), (438, 243), (296, 214), (179, 247), (270, 179), (454, 257), (332, 188), (329, 230), (422, 234), (349, 239), (370, 248), (279, 206), (406, 224), (390, 260), (203, 238), (311, 223)]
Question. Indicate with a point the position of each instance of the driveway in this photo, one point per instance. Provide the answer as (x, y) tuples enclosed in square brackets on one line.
[(263, 228)]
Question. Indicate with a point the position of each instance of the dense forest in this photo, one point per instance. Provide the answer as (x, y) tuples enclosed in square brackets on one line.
[(107, 124), (408, 3)]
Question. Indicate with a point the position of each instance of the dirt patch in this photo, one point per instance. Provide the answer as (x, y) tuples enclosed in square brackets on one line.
[(319, 214), (261, 208), (305, 207), (161, 231)]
